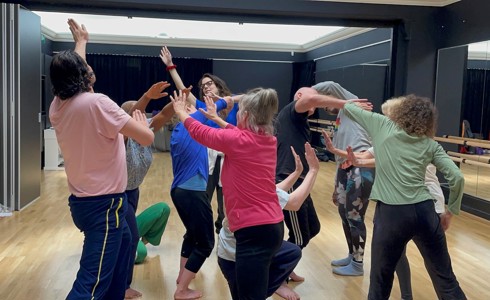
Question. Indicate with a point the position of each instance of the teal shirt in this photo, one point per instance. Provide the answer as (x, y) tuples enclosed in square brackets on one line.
[(401, 161)]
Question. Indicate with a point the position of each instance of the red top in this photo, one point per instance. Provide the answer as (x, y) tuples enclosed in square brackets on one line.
[(248, 174)]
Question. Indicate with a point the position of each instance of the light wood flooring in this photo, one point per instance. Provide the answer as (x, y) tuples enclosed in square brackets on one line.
[(40, 249)]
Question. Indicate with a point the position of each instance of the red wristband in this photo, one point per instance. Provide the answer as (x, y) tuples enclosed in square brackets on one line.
[(171, 67)]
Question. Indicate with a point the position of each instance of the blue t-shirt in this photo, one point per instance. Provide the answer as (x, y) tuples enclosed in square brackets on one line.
[(189, 158), (231, 118)]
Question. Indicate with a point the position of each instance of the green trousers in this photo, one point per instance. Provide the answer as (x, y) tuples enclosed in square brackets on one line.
[(151, 225)]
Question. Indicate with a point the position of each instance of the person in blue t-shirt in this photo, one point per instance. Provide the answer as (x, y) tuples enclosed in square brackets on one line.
[(188, 192), (211, 86)]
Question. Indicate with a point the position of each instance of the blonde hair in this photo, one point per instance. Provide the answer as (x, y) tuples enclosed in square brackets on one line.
[(390, 104), (260, 105), (416, 115)]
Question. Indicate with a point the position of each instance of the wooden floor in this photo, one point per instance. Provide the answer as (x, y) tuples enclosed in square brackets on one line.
[(40, 249)]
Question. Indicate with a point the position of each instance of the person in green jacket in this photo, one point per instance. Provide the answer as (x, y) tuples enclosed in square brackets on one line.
[(403, 147)]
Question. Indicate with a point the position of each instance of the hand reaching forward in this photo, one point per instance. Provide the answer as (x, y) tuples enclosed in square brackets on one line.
[(297, 162), (311, 158), (178, 102), (166, 56), (156, 90), (363, 103), (211, 111), (139, 117), (79, 33), (328, 142)]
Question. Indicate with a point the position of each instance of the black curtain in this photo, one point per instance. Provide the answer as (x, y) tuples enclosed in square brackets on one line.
[(124, 78), (474, 96), (303, 75)]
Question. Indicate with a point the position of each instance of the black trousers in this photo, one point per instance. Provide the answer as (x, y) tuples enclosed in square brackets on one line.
[(303, 224), (283, 263), (394, 226), (255, 248)]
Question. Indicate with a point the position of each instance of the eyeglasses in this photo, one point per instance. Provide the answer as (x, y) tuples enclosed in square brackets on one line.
[(207, 84)]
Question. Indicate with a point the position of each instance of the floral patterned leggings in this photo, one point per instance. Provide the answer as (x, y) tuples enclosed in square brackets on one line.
[(352, 189)]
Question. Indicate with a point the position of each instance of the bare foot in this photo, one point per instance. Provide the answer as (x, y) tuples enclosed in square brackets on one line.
[(187, 294), (287, 293), (295, 277), (132, 294)]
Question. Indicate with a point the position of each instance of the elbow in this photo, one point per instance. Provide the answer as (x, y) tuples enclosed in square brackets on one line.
[(147, 138)]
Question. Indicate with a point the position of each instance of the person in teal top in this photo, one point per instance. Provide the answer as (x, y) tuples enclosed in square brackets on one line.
[(405, 211)]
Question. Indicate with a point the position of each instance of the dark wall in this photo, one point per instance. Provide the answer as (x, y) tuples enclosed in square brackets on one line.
[(371, 47), (241, 76), (465, 22)]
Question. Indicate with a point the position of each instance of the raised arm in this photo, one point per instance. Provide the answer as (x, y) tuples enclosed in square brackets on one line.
[(80, 36), (154, 92), (287, 183), (166, 58), (308, 98), (299, 195)]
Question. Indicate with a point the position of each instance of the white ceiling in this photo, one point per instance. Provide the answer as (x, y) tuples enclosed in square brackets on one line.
[(195, 34), (437, 3), (205, 34)]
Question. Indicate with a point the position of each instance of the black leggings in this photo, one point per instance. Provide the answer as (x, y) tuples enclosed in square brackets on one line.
[(195, 212), (255, 248)]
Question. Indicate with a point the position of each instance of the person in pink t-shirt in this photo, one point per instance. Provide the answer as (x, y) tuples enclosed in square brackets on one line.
[(89, 128), (248, 178)]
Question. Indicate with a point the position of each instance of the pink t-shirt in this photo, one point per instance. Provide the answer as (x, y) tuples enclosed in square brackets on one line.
[(248, 173), (87, 128)]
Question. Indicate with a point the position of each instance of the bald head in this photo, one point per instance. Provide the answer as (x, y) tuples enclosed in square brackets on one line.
[(304, 91), (128, 105)]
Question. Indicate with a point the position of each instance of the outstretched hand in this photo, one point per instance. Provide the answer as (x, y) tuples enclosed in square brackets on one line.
[(297, 161), (139, 117), (311, 158), (178, 101), (328, 141), (213, 96), (351, 156), (166, 56), (363, 103), (211, 110), (79, 33), (156, 90)]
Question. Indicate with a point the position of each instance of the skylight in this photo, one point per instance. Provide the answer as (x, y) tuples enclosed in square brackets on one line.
[(185, 30)]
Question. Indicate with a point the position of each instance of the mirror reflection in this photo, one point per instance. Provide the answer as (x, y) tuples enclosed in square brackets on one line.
[(475, 121)]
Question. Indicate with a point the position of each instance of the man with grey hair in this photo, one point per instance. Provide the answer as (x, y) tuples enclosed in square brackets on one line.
[(352, 184)]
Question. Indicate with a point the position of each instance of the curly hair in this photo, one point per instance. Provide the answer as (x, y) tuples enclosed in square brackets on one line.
[(259, 106), (221, 85), (69, 75), (389, 104), (416, 115)]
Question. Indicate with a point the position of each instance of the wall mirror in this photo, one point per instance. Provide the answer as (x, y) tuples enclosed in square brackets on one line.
[(475, 118), (463, 80)]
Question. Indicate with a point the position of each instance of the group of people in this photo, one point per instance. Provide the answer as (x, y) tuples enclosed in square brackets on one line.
[(263, 168)]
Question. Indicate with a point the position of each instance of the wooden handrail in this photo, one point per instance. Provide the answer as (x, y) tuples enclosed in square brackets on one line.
[(469, 162), (462, 142), (465, 139), (479, 158), (321, 121)]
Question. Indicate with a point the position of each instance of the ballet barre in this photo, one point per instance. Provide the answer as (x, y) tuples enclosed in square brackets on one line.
[(469, 162), (463, 141), (478, 158)]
